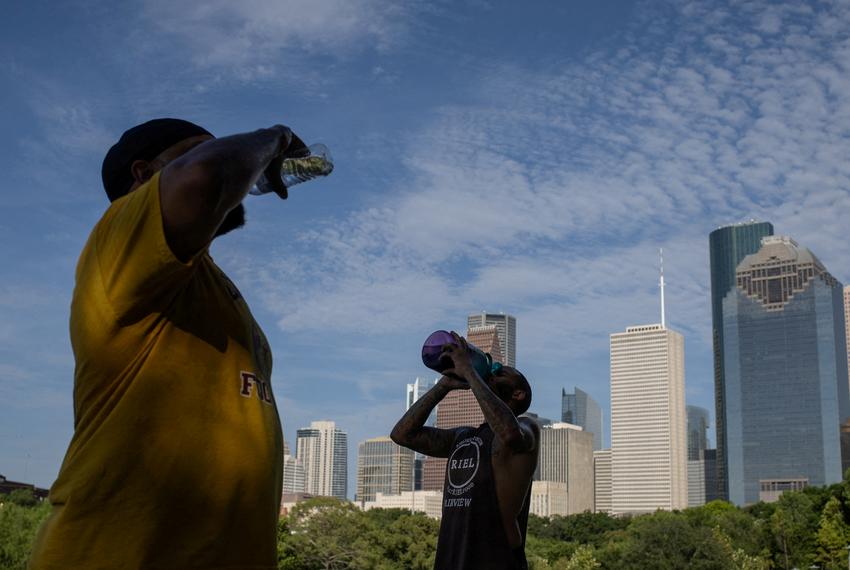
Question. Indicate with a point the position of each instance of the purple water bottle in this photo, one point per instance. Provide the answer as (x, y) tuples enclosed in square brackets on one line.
[(482, 362)]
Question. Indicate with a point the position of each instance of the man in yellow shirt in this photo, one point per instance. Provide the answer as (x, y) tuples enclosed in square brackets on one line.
[(177, 450)]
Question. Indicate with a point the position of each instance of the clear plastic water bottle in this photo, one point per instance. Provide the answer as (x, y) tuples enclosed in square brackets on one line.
[(295, 170), (432, 351)]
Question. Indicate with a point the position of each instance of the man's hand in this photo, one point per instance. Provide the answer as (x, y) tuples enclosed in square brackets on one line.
[(290, 146), (460, 357)]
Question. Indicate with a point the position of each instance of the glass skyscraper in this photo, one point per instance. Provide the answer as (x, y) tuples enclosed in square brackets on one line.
[(785, 373), (581, 410), (697, 432), (727, 247)]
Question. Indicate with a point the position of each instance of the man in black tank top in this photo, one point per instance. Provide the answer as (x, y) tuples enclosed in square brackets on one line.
[(489, 467)]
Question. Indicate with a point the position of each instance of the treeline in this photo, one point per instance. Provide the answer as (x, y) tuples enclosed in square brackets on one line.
[(802, 530)]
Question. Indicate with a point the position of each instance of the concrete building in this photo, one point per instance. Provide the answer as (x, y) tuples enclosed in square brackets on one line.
[(786, 387), (566, 456), (728, 246), (549, 498), (582, 410), (323, 451), (294, 478), (506, 327), (289, 500), (602, 481), (459, 407), (702, 478), (648, 439), (383, 467), (428, 502)]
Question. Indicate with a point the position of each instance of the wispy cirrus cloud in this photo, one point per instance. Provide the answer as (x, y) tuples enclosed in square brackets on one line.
[(561, 183)]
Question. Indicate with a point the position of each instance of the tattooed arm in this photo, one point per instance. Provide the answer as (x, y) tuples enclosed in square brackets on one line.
[(411, 431), (516, 435)]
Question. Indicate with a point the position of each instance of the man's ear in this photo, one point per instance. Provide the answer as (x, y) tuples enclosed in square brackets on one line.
[(519, 395), (141, 171)]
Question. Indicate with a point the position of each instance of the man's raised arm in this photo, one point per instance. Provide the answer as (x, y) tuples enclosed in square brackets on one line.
[(411, 431), (199, 188)]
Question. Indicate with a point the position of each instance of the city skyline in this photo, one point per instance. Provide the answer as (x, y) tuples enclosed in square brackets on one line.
[(488, 157)]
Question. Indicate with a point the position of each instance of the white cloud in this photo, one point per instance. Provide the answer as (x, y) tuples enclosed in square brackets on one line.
[(550, 194), (257, 38)]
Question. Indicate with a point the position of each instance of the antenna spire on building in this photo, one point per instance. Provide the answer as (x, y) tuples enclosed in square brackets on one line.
[(661, 284)]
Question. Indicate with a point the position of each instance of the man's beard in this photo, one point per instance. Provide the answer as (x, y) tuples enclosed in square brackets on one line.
[(235, 218)]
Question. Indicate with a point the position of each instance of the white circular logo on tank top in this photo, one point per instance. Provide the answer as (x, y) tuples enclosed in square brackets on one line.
[(463, 463)]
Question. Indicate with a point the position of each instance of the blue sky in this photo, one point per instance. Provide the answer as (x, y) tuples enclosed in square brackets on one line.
[(489, 155)]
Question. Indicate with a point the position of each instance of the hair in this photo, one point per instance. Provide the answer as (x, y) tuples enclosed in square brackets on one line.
[(519, 382)]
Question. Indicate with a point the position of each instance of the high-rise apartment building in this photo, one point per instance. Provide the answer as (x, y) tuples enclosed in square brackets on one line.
[(697, 431), (506, 327), (727, 248), (383, 467), (602, 481), (323, 451), (459, 407), (566, 456), (648, 440), (786, 387), (580, 409)]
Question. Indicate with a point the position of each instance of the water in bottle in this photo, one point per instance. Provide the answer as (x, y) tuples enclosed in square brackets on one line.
[(296, 170)]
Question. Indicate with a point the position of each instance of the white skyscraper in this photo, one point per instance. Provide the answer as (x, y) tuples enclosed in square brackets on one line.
[(602, 481), (323, 451), (506, 329), (648, 435), (294, 480)]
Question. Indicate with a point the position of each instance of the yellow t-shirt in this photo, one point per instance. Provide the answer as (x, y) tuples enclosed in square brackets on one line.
[(177, 451)]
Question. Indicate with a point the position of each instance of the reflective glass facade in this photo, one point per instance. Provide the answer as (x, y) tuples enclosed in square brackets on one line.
[(786, 390), (697, 432), (581, 410), (728, 246)]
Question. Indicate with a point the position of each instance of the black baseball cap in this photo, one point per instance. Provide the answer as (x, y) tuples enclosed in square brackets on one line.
[(142, 142)]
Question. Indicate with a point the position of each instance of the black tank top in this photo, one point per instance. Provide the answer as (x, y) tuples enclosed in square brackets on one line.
[(471, 533)]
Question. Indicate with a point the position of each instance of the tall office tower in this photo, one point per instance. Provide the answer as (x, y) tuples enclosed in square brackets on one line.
[(602, 481), (323, 450), (566, 456), (648, 443), (847, 322), (383, 467), (582, 410), (294, 479), (414, 392), (505, 325), (697, 432), (786, 390), (728, 246), (459, 407)]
